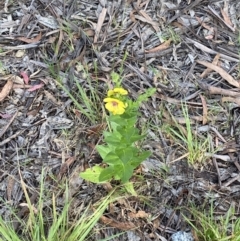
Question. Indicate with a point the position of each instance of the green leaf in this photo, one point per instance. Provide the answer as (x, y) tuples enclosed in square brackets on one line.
[(127, 173), (140, 158), (131, 121), (131, 135), (112, 159), (144, 155), (103, 150), (116, 134), (122, 120), (113, 138), (144, 97), (126, 154), (109, 172), (115, 78), (130, 188), (115, 119), (92, 174)]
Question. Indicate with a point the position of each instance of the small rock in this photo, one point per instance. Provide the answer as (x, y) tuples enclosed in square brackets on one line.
[(132, 236), (182, 236)]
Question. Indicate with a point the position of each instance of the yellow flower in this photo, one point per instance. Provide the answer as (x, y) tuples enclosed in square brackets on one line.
[(120, 91), (115, 106)]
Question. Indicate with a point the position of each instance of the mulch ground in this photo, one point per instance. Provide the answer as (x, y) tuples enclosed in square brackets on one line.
[(188, 50)]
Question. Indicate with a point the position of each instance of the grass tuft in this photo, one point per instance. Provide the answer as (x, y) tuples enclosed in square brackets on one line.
[(38, 226), (208, 227)]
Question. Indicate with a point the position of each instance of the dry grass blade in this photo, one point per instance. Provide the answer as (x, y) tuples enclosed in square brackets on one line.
[(222, 72)]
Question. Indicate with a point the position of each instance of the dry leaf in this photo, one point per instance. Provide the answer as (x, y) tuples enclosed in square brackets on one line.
[(5, 116), (208, 70), (220, 18), (155, 25), (209, 37), (17, 80), (219, 91), (25, 77), (162, 46), (65, 167), (29, 41), (35, 87), (119, 225), (205, 110), (6, 89), (10, 185), (132, 17), (226, 17), (89, 32), (23, 86), (139, 214), (230, 99), (174, 101), (52, 98), (145, 20), (222, 72), (32, 207), (204, 24), (35, 111), (99, 24)]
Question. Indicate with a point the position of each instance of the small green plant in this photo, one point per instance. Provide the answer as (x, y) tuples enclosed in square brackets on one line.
[(85, 99), (209, 228), (195, 145), (169, 33), (121, 153)]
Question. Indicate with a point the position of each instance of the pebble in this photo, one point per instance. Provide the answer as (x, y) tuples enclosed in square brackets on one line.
[(182, 236)]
